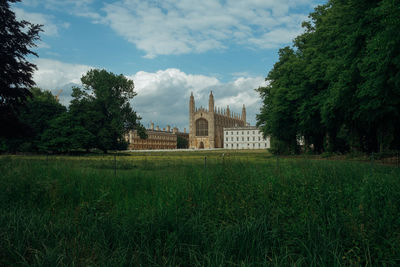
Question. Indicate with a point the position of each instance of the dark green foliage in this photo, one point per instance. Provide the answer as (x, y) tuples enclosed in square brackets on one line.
[(102, 108), (16, 40), (37, 115), (63, 135), (174, 212), (339, 87), (181, 142)]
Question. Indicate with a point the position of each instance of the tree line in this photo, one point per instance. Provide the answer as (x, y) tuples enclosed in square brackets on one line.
[(337, 89), (98, 116), (33, 120)]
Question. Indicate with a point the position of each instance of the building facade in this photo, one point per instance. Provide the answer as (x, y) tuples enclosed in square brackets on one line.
[(206, 126), (249, 137), (156, 138)]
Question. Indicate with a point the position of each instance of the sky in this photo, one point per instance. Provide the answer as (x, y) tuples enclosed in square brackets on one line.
[(168, 48)]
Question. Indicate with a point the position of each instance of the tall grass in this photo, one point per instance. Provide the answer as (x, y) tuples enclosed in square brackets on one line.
[(241, 210)]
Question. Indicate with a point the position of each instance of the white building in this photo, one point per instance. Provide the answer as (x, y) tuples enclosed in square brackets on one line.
[(249, 137)]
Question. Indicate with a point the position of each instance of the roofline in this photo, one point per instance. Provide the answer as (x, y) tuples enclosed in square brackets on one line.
[(242, 128)]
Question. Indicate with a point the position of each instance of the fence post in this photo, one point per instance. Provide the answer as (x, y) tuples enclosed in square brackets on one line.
[(115, 164), (277, 164), (372, 161)]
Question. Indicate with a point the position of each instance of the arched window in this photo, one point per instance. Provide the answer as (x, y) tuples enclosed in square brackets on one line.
[(201, 127)]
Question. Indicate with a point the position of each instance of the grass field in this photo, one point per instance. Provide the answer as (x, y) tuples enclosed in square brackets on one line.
[(178, 209)]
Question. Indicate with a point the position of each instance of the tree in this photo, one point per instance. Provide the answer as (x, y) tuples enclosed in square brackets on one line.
[(35, 115), (39, 110), (64, 135), (16, 40), (181, 142), (102, 107), (338, 87)]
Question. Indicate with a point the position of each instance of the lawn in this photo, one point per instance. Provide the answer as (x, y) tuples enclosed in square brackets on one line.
[(213, 208)]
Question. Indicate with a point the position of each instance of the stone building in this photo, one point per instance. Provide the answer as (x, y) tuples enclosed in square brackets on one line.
[(249, 137), (156, 139), (206, 126)]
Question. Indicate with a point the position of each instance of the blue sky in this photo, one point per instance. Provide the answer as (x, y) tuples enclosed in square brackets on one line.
[(168, 48)]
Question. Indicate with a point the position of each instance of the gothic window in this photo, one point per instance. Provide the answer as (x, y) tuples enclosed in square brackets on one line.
[(201, 127)]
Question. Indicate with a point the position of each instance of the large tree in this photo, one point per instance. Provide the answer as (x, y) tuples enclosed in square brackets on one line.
[(338, 87), (17, 38), (102, 107), (36, 116)]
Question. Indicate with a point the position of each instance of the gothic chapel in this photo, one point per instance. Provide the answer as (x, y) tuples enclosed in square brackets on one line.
[(206, 126)]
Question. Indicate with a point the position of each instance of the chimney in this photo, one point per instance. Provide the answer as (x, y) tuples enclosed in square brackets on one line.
[(168, 128), (152, 126), (184, 130), (157, 128)]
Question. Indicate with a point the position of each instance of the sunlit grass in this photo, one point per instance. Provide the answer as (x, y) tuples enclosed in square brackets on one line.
[(234, 208)]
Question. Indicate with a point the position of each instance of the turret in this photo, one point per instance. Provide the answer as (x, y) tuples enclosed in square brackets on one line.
[(211, 103), (244, 114), (191, 104)]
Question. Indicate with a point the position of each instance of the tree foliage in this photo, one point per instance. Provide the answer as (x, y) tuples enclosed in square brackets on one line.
[(181, 142), (338, 88), (37, 114), (17, 38), (102, 107)]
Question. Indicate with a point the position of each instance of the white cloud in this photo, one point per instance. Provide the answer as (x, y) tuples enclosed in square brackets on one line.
[(81, 8), (42, 45), (54, 75), (163, 96), (49, 28), (179, 27)]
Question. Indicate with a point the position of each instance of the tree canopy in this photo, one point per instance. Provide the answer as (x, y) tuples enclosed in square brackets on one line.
[(102, 107), (338, 87), (17, 38)]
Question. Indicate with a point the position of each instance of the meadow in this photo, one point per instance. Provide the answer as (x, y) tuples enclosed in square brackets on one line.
[(208, 208)]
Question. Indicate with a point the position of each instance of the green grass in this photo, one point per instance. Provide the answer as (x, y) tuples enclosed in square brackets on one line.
[(240, 209)]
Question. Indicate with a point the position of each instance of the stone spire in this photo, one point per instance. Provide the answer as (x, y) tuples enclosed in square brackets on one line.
[(227, 111), (211, 103), (191, 104), (244, 114)]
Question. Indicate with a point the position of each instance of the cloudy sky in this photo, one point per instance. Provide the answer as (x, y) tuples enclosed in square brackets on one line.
[(169, 48)]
